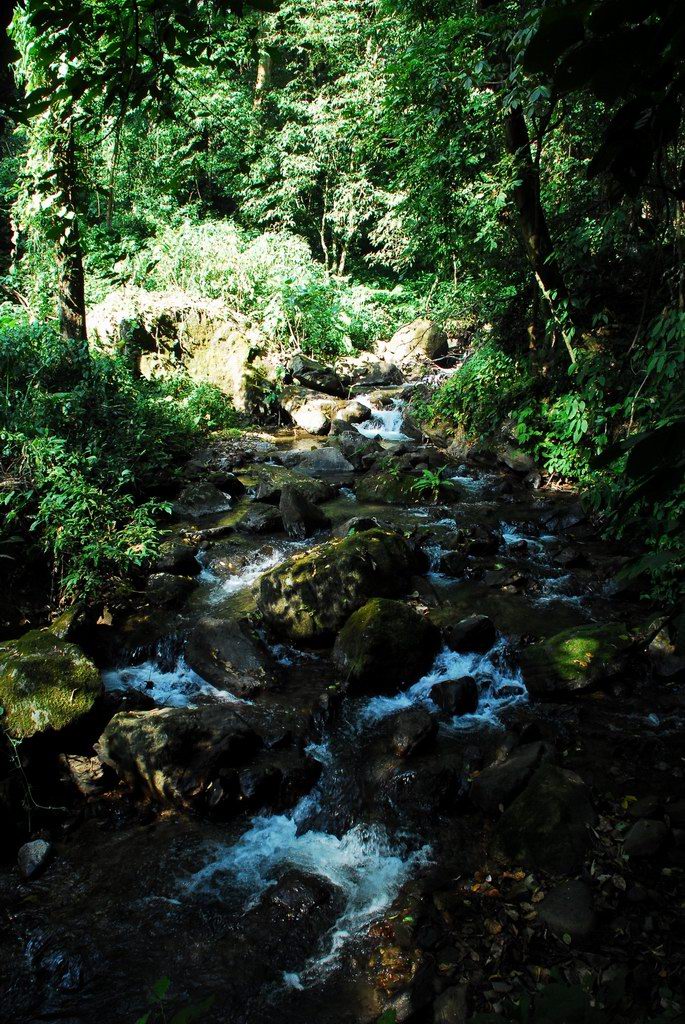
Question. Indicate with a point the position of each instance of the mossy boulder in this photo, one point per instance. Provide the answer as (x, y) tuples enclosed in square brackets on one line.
[(547, 827), (385, 644), (388, 488), (46, 683), (578, 659), (311, 596), (272, 479)]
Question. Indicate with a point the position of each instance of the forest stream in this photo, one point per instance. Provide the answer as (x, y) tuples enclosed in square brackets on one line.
[(325, 885)]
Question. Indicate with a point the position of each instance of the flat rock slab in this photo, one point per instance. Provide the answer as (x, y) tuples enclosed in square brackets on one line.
[(569, 909)]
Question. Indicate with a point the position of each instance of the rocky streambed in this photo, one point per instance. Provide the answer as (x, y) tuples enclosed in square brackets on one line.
[(383, 735)]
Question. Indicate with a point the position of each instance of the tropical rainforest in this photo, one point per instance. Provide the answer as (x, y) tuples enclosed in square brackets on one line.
[(342, 494)]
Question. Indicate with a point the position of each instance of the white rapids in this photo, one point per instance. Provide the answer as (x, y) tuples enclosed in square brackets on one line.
[(385, 424)]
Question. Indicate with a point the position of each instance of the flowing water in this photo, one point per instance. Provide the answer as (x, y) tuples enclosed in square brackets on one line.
[(366, 827)]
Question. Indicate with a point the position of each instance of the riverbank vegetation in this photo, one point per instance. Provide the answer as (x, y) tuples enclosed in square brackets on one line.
[(329, 172)]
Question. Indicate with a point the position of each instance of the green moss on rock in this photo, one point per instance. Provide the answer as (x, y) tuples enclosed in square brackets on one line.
[(389, 489), (311, 596), (385, 643), (45, 683), (578, 659)]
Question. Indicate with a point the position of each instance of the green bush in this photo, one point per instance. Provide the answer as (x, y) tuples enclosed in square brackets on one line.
[(482, 392), (83, 447)]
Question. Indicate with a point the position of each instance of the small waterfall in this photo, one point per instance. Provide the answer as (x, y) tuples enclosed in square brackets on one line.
[(383, 423)]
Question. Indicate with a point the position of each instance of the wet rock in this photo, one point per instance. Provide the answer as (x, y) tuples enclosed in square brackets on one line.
[(179, 755), (357, 524), (501, 783), (646, 838), (509, 580), (578, 659), (475, 633), (415, 344), (517, 461), (546, 827), (308, 409), (450, 1006), (676, 813), (456, 696), (177, 557), (570, 558), (45, 684), (384, 644), (87, 774), (230, 656), (33, 858), (412, 730), (272, 479), (200, 498), (410, 428), (420, 790), (361, 452), (309, 597), (647, 807), (322, 461), (301, 518), (384, 487), (353, 412), (261, 518), (314, 375), (452, 563), (568, 909), (167, 590), (476, 539)]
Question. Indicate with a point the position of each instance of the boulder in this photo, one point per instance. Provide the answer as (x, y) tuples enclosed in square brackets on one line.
[(176, 755), (450, 1006), (568, 909), (357, 524), (272, 479), (382, 374), (308, 409), (416, 343), (361, 452), (453, 564), (33, 858), (456, 696), (315, 376), (301, 518), (385, 644), (501, 783), (411, 730), (578, 659), (517, 461), (476, 633), (261, 518), (382, 487), (230, 656), (546, 828), (353, 412), (200, 498), (45, 684), (164, 589), (646, 838), (177, 557), (309, 597), (322, 461)]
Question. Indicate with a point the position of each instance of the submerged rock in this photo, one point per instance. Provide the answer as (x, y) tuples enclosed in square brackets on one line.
[(456, 696), (301, 517), (547, 826), (45, 684), (578, 659), (231, 657), (385, 644), (167, 589), (475, 633), (412, 730), (309, 597)]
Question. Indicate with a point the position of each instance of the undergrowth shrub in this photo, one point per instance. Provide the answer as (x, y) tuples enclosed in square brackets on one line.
[(83, 447)]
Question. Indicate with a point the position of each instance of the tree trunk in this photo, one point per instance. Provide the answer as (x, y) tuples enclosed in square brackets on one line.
[(71, 283), (533, 224), (7, 98), (263, 79)]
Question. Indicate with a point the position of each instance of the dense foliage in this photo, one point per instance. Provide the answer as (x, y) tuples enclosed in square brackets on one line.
[(332, 170)]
